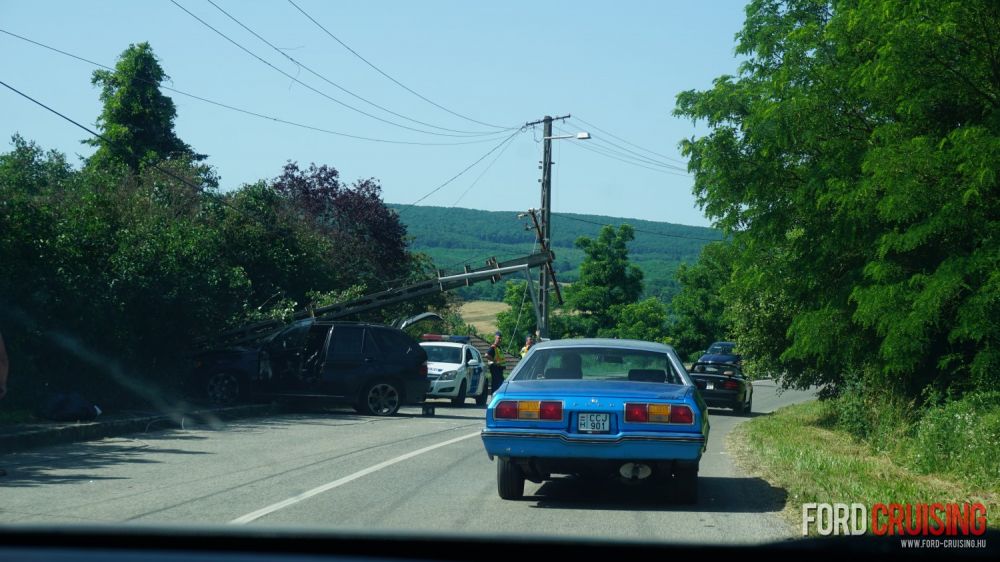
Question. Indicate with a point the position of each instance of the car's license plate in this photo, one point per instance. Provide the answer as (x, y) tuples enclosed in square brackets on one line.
[(709, 386), (594, 423)]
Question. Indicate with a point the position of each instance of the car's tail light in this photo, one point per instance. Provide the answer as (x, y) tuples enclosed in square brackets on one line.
[(506, 410), (658, 413), (730, 385), (550, 411), (681, 414), (528, 409), (636, 413), (423, 369)]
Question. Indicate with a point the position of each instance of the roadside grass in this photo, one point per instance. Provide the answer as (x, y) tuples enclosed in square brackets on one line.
[(801, 449), (482, 314)]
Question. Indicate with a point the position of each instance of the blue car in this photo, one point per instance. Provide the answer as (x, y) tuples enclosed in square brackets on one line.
[(598, 408)]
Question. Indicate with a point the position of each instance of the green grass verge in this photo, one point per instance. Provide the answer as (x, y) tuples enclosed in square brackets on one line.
[(799, 448)]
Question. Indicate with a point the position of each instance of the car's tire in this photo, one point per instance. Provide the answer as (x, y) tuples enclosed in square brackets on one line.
[(380, 398), (223, 388), (510, 480), (686, 483), (748, 409), (459, 399)]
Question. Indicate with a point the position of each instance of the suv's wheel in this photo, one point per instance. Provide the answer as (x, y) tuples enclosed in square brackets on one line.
[(510, 480), (686, 483), (380, 398), (223, 388), (459, 399)]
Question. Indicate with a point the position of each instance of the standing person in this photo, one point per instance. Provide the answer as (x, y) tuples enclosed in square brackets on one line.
[(494, 356), (527, 345)]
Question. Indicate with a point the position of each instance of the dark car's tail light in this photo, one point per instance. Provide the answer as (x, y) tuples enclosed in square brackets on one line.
[(730, 385), (550, 411), (423, 369), (636, 413), (681, 414), (506, 410)]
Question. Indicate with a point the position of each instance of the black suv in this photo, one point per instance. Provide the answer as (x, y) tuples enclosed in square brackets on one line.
[(373, 367)]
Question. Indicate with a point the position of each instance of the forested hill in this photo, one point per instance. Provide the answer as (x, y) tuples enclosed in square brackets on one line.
[(453, 237)]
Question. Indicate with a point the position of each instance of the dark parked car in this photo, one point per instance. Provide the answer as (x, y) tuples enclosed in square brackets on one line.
[(375, 368), (721, 352), (723, 386)]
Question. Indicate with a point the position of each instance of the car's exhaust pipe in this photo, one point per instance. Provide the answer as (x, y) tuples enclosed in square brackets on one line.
[(634, 472)]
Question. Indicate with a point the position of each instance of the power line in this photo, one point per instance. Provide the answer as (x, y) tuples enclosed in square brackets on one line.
[(483, 173), (603, 152), (629, 143), (112, 144), (637, 158), (397, 82), (247, 111), (628, 153), (456, 176), (664, 234), (307, 86), (338, 86)]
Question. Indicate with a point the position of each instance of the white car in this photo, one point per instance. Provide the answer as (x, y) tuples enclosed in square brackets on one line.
[(455, 369)]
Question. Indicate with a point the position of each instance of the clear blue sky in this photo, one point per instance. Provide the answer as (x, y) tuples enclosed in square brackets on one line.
[(617, 65)]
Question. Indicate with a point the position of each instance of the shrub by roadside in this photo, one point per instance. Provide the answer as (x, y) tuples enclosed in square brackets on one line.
[(803, 449)]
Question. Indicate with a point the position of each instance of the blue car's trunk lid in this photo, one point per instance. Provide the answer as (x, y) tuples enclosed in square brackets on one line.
[(627, 390)]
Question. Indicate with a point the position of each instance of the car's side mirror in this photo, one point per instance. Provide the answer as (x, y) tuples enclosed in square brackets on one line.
[(473, 363)]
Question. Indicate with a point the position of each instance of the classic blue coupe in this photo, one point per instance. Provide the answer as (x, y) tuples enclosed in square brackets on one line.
[(595, 408)]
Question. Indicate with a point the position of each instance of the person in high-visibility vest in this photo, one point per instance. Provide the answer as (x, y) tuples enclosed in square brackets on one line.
[(494, 357)]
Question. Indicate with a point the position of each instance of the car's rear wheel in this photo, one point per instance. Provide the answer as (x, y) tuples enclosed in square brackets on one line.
[(748, 408), (510, 480), (686, 483), (380, 398), (223, 388), (459, 399)]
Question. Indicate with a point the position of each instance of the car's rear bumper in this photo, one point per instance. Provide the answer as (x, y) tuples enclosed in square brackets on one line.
[(721, 398), (557, 444)]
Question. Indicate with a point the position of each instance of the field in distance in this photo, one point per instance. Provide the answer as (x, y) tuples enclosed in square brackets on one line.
[(482, 314)]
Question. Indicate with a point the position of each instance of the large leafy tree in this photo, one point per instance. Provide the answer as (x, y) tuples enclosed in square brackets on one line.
[(607, 281), (853, 161), (137, 119)]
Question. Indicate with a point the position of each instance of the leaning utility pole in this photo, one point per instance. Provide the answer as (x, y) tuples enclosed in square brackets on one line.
[(546, 238)]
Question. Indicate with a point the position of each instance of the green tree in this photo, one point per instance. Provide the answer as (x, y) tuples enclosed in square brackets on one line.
[(518, 322), (853, 162), (698, 309), (137, 120), (607, 280), (644, 320)]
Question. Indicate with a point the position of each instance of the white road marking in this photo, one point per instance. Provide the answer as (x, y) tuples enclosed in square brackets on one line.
[(249, 517)]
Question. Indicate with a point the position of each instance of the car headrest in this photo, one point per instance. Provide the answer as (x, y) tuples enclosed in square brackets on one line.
[(647, 375), (562, 373)]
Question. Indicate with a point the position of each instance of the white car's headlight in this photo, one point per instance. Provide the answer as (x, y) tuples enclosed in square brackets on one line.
[(449, 375)]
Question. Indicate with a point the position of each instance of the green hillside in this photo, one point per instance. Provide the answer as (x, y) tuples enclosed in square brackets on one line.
[(453, 237)]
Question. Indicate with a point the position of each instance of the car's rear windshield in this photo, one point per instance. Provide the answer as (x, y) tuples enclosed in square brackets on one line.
[(721, 348), (598, 364), (443, 354)]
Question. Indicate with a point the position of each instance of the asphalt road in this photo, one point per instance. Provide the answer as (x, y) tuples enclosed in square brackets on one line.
[(332, 469)]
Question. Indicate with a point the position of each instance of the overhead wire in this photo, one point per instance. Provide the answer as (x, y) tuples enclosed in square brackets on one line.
[(617, 155), (483, 173), (628, 153), (383, 73), (338, 86), (595, 127), (459, 174), (112, 145), (305, 85), (247, 111)]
